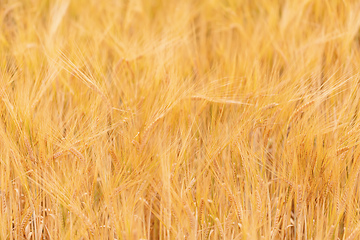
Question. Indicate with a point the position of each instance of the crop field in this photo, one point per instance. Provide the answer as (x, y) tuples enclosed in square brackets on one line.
[(191, 119)]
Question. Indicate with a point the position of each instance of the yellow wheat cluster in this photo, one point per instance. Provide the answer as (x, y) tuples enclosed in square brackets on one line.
[(166, 119)]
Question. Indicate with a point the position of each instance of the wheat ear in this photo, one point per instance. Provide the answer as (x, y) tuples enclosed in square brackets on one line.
[(269, 106), (29, 149), (190, 216), (25, 220), (77, 153), (342, 150), (86, 220), (300, 110), (276, 224), (222, 101), (201, 210), (354, 233), (221, 230), (296, 114)]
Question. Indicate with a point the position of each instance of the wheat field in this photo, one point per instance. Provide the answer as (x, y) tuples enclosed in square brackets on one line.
[(191, 119)]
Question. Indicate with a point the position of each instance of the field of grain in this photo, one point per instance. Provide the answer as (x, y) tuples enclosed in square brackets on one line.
[(191, 119)]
